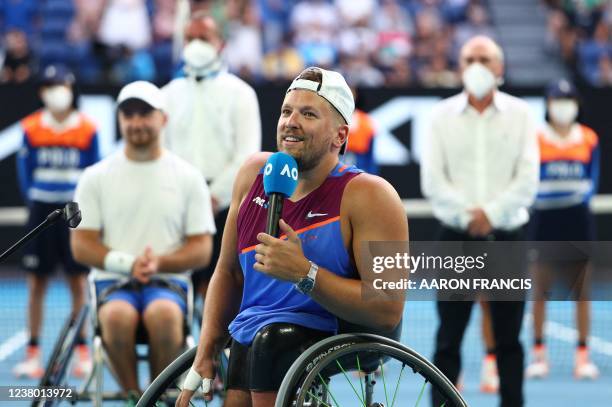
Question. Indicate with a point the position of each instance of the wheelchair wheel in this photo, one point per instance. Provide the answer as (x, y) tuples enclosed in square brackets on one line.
[(367, 369), (166, 386), (57, 367)]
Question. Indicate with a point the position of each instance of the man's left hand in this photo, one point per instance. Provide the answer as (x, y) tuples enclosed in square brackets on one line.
[(479, 226), (279, 258)]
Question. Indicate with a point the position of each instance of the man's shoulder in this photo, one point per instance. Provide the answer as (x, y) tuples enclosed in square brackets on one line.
[(100, 169), (365, 185), (451, 104), (234, 82), (509, 101), (180, 164)]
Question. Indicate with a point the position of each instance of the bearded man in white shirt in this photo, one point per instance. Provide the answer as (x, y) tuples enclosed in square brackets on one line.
[(480, 172), (213, 121)]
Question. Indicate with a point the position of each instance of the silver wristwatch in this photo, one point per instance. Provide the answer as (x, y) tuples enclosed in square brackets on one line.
[(306, 284)]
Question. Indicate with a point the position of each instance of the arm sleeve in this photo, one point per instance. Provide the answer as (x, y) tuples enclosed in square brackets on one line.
[(449, 205), (247, 141), (25, 168), (199, 216), (522, 190), (87, 196)]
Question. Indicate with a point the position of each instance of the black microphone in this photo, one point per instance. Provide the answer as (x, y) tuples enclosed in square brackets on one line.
[(280, 180), (72, 214)]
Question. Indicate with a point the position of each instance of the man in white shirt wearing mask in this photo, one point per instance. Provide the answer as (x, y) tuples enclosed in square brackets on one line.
[(213, 121), (480, 172)]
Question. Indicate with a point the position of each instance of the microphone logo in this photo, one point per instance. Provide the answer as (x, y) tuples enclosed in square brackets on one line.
[(286, 171)]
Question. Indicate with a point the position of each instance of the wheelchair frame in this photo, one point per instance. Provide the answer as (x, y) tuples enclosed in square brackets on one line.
[(100, 358)]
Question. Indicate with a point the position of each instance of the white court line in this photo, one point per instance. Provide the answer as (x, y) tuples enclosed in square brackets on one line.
[(570, 335), (12, 344)]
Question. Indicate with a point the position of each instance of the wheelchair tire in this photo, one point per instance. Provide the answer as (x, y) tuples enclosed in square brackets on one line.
[(167, 377), (318, 360), (57, 366)]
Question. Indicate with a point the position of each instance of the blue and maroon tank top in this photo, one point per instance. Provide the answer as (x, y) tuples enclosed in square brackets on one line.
[(316, 219)]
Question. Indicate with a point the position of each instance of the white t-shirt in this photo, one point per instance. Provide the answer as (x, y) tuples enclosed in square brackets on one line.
[(138, 204)]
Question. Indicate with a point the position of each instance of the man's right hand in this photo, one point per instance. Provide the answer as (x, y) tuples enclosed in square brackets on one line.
[(205, 368)]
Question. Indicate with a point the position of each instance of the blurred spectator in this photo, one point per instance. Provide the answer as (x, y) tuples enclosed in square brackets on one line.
[(243, 50), (313, 21), (274, 16), (394, 28), (592, 51), (428, 28), (86, 20), (282, 64), (400, 74), (477, 24), (561, 37), (17, 67), (18, 15), (605, 71), (124, 31), (359, 70), (125, 22), (438, 74), (352, 12), (163, 20)]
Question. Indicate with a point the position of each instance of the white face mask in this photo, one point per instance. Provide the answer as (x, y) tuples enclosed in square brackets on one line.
[(200, 58), (57, 98), (563, 111), (478, 80)]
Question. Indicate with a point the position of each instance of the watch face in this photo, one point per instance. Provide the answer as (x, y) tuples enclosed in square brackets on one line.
[(306, 285)]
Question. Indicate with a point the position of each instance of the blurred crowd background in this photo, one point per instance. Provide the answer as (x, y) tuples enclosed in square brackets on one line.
[(391, 43)]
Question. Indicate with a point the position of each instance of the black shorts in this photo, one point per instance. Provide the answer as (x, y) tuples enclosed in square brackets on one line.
[(263, 365), (560, 231), (52, 246), (204, 274), (574, 223)]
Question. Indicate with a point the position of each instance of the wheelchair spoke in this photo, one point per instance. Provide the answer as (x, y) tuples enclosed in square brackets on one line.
[(397, 384), (327, 389), (421, 393), (382, 373), (318, 399), (360, 381), (350, 382)]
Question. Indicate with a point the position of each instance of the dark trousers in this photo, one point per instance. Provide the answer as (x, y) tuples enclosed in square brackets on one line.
[(507, 317)]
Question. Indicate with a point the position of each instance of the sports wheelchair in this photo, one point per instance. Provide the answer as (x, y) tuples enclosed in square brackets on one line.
[(92, 387), (350, 363)]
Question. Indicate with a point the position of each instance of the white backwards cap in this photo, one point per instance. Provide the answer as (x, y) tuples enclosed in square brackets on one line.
[(332, 88)]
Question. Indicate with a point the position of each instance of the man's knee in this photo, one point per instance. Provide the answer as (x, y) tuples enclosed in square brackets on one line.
[(118, 322), (163, 320), (118, 316)]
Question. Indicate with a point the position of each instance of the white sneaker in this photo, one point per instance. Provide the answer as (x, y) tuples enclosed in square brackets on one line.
[(538, 368), (489, 378), (31, 367), (585, 369), (82, 362)]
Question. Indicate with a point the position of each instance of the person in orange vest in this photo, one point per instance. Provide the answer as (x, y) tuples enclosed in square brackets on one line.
[(569, 173), (58, 143), (360, 148)]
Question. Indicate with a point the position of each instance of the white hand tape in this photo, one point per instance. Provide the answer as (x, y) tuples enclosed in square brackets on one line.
[(193, 380)]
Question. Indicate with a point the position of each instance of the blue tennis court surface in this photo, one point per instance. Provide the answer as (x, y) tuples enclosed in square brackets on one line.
[(559, 389)]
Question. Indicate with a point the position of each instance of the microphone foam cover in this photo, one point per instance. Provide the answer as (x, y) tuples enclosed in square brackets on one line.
[(280, 175)]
